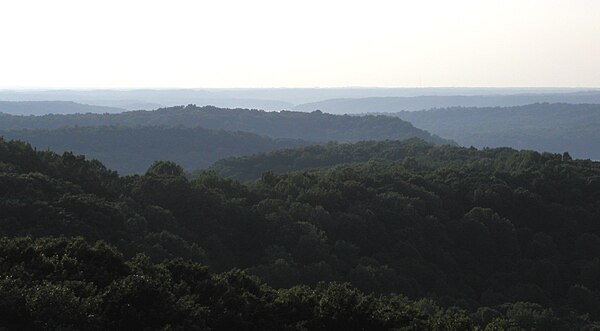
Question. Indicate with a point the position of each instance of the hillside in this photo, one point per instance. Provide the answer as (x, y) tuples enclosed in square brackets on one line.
[(52, 107), (493, 238), (314, 126), (542, 127), (131, 150)]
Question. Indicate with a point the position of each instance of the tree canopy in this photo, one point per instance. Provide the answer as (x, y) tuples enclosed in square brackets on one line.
[(440, 238)]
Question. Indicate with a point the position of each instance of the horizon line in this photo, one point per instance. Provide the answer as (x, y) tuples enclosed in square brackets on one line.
[(133, 88)]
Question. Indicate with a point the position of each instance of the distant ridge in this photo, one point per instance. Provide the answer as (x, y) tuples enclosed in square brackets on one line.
[(53, 107), (315, 126), (543, 127), (413, 103), (261, 98)]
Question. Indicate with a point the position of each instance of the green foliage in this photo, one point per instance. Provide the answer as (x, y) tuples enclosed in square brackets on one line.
[(179, 294), (165, 168)]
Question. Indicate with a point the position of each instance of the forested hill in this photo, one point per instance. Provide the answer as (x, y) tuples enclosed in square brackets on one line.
[(542, 127), (314, 126), (131, 150), (495, 238), (251, 167), (410, 151)]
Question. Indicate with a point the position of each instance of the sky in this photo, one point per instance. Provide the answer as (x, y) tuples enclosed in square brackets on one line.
[(225, 44)]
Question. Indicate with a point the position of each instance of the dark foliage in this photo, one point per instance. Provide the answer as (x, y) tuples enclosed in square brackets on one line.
[(251, 167), (491, 239)]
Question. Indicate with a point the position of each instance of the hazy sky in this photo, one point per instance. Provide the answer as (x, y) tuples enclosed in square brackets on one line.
[(170, 43)]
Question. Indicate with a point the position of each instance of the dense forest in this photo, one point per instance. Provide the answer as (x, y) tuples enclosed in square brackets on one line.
[(314, 126), (443, 238), (542, 127), (131, 150)]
